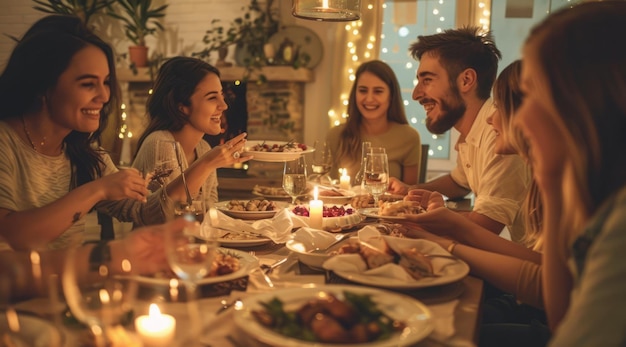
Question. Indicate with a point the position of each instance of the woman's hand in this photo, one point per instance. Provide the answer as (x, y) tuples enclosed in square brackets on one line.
[(146, 246), (427, 199), (124, 184), (397, 187), (229, 153), (443, 222)]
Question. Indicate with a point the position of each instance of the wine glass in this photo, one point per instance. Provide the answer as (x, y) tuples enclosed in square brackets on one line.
[(294, 178), (322, 162), (165, 163), (376, 178), (190, 254), (103, 297)]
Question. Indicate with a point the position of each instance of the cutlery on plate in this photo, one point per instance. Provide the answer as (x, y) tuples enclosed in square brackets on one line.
[(267, 269), (338, 239)]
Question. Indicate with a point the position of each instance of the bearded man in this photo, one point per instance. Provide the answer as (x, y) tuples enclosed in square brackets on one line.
[(455, 76)]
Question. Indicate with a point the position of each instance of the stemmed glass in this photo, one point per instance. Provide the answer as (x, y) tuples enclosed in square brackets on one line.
[(190, 254), (165, 163), (376, 178), (104, 297), (294, 178), (322, 162)]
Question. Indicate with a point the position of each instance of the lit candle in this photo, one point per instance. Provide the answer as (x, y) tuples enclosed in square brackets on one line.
[(316, 211), (344, 180), (156, 329)]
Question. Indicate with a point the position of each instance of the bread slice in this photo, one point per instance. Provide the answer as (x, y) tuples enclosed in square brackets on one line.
[(374, 257), (416, 263)]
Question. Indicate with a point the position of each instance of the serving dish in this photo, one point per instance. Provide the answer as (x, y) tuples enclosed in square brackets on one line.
[(208, 286), (250, 215), (447, 269), (413, 313), (273, 156)]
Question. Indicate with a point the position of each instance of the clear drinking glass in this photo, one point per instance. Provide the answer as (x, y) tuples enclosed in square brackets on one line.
[(104, 298), (165, 164), (294, 178), (322, 162), (365, 148), (376, 177)]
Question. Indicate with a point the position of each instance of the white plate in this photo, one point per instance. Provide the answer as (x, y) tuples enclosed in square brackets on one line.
[(372, 212), (286, 196), (250, 215), (247, 263), (243, 243), (273, 156), (413, 313), (450, 271), (34, 331)]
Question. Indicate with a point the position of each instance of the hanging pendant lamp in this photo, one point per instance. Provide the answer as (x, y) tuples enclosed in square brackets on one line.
[(327, 10)]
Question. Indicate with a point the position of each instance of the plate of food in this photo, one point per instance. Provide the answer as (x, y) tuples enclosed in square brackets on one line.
[(392, 210), (33, 331), (331, 195), (383, 318), (230, 264), (252, 209), (396, 263), (270, 192), (276, 151), (241, 239)]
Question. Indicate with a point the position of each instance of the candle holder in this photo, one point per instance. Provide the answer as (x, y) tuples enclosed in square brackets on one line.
[(327, 10)]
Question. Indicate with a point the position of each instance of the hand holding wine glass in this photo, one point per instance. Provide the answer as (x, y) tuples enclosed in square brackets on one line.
[(294, 178), (376, 177), (165, 164)]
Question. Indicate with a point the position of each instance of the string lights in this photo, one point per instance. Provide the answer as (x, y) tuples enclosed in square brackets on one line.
[(389, 40)]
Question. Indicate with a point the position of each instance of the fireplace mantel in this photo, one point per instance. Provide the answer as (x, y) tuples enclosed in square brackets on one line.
[(234, 73)]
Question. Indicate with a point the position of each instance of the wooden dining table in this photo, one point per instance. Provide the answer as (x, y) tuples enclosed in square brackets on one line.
[(464, 317)]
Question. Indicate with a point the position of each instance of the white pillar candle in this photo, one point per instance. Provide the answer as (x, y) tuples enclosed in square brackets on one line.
[(344, 180), (316, 211), (156, 329)]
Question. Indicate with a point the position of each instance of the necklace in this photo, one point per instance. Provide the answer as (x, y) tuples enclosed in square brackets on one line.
[(32, 143)]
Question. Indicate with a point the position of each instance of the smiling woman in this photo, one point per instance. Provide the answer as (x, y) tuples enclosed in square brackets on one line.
[(188, 102), (56, 94)]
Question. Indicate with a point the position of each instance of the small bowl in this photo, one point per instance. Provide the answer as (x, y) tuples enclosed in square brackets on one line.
[(305, 240)]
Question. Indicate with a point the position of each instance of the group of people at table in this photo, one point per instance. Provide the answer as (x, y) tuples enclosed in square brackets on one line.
[(541, 147)]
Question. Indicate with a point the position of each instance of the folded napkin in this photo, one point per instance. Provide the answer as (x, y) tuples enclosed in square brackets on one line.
[(390, 273), (277, 228)]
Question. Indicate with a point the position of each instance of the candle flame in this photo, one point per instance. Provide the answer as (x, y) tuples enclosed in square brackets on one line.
[(315, 193), (325, 3), (154, 310)]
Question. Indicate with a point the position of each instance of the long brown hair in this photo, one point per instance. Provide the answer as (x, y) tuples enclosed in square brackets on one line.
[(581, 60), (350, 146), (34, 67)]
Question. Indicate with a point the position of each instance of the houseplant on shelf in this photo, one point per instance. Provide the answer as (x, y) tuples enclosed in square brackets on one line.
[(140, 19), (249, 33)]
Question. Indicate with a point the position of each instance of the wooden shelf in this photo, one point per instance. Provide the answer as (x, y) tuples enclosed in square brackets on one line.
[(272, 73)]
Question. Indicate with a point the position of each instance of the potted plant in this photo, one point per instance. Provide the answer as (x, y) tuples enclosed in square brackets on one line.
[(249, 32), (140, 19), (84, 9)]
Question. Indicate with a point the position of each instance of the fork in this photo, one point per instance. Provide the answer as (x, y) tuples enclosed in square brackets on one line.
[(338, 239)]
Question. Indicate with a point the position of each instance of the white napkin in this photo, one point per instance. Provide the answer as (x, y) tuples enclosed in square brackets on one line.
[(278, 228), (354, 263)]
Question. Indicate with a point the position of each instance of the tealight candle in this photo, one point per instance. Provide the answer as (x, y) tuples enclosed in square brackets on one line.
[(316, 211), (156, 329), (344, 180)]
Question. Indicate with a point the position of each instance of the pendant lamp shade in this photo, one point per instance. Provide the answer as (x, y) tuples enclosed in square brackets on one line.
[(327, 10)]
